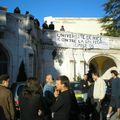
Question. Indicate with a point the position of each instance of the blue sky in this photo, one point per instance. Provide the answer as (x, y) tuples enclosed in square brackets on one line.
[(57, 8)]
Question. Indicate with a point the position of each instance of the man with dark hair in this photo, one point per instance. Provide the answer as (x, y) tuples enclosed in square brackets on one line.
[(4, 79), (84, 87), (6, 100), (64, 80), (51, 26), (114, 72), (17, 10), (45, 25), (61, 109), (115, 94), (98, 94)]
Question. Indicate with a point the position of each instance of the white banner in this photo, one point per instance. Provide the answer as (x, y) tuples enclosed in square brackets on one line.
[(76, 40)]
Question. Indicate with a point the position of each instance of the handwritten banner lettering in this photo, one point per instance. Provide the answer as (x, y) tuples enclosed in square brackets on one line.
[(77, 40)]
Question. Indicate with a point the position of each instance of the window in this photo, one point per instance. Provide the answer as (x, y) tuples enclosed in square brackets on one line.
[(3, 61), (1, 35)]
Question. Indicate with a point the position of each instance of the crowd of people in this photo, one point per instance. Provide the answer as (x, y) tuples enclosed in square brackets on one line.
[(51, 26), (95, 95), (44, 26), (52, 102), (57, 101)]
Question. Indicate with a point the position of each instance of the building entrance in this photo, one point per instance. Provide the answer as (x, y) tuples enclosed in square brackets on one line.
[(103, 64)]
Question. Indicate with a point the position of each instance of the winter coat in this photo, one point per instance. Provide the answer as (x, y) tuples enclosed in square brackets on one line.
[(6, 104), (29, 107)]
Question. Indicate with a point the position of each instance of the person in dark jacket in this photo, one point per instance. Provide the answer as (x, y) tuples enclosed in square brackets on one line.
[(51, 26), (75, 110), (84, 87), (6, 100), (45, 26), (62, 107), (17, 10), (31, 101), (115, 94)]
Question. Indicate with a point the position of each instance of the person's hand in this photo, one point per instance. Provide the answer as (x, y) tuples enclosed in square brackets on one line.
[(84, 85), (89, 83), (39, 112), (56, 93)]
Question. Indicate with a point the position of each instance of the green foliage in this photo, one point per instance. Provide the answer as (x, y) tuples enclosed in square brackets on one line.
[(77, 78), (111, 22)]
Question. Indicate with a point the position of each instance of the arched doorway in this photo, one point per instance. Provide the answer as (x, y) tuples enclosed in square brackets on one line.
[(103, 64), (4, 61)]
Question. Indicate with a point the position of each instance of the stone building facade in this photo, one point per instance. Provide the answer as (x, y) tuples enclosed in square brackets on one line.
[(75, 62), (22, 41), (19, 40), (77, 25)]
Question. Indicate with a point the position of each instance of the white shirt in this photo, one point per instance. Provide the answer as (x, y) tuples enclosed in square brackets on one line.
[(99, 89)]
